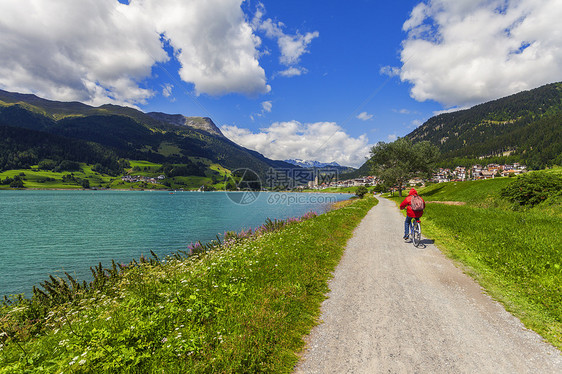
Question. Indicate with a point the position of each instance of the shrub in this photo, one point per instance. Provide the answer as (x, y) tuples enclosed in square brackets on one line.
[(17, 183), (532, 188)]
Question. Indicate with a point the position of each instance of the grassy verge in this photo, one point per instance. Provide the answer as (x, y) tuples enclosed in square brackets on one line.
[(242, 307), (515, 256)]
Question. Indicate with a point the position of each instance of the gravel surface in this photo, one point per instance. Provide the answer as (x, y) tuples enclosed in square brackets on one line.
[(394, 308)]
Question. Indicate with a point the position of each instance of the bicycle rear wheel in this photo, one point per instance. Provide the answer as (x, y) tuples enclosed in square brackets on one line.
[(416, 233)]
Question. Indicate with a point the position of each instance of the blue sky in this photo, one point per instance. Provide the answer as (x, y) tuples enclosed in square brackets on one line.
[(317, 80)]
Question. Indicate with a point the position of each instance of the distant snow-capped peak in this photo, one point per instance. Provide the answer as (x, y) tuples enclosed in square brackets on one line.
[(312, 164)]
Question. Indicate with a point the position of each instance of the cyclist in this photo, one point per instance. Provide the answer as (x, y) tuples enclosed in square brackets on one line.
[(411, 212)]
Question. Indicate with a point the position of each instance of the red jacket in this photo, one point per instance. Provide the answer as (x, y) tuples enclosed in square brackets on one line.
[(406, 203)]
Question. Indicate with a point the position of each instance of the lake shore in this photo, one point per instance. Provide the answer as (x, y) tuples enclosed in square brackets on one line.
[(241, 308)]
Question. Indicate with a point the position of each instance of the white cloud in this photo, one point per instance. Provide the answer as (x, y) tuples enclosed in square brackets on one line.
[(213, 42), (266, 106), (364, 116), (293, 71), (320, 141), (391, 71), (167, 90), (402, 111), (392, 137), (292, 47), (461, 53), (100, 51)]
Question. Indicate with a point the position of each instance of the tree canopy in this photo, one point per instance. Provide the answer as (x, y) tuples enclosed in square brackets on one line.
[(397, 162)]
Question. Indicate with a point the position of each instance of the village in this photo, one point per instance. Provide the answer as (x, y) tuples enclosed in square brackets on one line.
[(329, 179), (140, 178), (441, 175)]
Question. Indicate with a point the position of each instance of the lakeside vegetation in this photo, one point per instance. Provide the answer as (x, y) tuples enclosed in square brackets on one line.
[(513, 249), (243, 306)]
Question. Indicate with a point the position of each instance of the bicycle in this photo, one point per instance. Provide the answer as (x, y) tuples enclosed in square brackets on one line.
[(415, 231)]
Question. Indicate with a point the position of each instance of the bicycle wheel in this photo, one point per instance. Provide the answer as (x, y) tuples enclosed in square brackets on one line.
[(416, 233)]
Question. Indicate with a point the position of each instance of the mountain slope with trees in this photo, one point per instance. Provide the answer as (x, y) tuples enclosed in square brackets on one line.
[(121, 132), (526, 127)]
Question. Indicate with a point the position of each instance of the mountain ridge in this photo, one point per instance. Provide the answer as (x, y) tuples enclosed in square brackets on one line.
[(60, 109), (312, 163)]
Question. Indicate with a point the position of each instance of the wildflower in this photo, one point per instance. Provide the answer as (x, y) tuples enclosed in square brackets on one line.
[(164, 340), (82, 362)]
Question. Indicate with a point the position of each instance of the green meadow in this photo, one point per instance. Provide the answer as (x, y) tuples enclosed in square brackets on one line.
[(43, 179), (242, 305), (516, 255), (34, 178)]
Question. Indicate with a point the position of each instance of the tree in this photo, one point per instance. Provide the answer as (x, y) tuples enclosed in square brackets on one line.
[(47, 164), (361, 191), (16, 182), (379, 188), (397, 162)]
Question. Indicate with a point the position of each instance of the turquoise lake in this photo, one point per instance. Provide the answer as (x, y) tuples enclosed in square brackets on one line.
[(45, 233)]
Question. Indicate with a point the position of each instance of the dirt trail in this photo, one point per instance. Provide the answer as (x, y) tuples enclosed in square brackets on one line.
[(394, 308)]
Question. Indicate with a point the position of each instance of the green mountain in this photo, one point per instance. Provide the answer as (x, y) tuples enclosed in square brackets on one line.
[(524, 127), (42, 129)]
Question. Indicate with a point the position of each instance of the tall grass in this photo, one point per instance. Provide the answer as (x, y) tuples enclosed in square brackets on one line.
[(243, 306)]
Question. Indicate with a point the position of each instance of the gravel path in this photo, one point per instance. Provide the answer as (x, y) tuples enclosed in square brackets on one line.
[(394, 308)]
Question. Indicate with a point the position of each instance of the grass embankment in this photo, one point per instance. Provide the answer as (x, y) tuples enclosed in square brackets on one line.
[(241, 308), (515, 255)]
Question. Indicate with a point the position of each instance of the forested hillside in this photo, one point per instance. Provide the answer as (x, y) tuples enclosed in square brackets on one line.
[(20, 148), (114, 132), (525, 127)]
